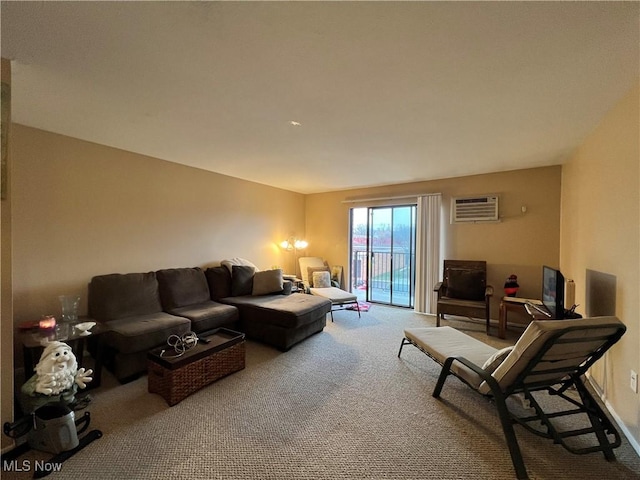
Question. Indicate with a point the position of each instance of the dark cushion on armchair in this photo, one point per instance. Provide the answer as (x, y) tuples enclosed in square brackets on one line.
[(464, 291), (466, 284)]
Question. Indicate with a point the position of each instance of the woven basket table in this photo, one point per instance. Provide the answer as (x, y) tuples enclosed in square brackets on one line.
[(176, 377)]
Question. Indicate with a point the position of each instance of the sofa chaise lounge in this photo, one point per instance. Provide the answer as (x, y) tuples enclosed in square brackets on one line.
[(276, 319)]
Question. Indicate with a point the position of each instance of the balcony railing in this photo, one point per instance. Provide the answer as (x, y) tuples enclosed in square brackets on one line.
[(389, 271)]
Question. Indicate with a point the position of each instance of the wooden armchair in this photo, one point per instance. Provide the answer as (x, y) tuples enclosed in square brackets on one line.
[(464, 290)]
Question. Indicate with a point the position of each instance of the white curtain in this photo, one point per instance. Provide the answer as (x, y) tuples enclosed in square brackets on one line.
[(427, 252)]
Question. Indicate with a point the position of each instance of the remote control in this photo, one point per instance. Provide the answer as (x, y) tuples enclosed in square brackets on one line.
[(204, 340)]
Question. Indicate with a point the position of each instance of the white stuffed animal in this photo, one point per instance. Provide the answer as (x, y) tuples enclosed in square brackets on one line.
[(57, 370), (57, 374)]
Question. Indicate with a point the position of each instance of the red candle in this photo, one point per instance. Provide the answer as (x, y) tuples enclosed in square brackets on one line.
[(47, 322)]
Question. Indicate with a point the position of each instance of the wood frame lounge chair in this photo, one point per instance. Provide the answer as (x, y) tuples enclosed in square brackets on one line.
[(550, 356), (464, 291), (340, 299)]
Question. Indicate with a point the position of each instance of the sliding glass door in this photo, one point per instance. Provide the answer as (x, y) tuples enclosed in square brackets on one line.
[(383, 243)]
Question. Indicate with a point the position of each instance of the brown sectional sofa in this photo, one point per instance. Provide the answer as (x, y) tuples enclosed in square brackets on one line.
[(143, 309)]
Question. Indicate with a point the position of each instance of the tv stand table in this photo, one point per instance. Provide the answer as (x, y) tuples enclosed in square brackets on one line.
[(515, 304)]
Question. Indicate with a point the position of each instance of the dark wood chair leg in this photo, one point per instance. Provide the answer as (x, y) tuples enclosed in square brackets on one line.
[(488, 317)]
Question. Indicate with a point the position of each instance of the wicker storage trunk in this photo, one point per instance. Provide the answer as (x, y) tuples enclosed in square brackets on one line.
[(176, 378)]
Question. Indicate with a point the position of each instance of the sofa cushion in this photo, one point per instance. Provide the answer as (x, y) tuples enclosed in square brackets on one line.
[(219, 280), (118, 295), (267, 281), (143, 332), (241, 280), (288, 311), (208, 315), (180, 287)]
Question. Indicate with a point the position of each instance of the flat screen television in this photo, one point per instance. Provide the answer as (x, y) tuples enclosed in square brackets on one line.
[(553, 292)]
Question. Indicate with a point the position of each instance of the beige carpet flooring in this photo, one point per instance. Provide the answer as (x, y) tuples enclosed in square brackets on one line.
[(340, 405)]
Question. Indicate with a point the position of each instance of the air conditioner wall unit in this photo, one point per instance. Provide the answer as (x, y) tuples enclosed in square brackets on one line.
[(481, 208)]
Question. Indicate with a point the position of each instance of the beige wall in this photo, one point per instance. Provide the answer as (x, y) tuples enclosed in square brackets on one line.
[(601, 232), (6, 303), (82, 209), (519, 243)]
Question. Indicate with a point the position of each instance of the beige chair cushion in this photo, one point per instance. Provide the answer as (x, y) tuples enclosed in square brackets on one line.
[(444, 342), (336, 295)]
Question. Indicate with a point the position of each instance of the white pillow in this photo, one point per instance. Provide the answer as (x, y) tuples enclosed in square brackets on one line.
[(321, 279), (496, 359), (237, 261)]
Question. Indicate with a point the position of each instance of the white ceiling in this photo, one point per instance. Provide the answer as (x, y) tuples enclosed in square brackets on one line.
[(385, 92)]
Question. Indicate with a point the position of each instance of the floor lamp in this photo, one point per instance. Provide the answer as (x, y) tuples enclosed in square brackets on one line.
[(294, 245)]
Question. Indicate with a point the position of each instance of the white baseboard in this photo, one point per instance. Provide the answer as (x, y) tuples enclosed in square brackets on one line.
[(632, 441)]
